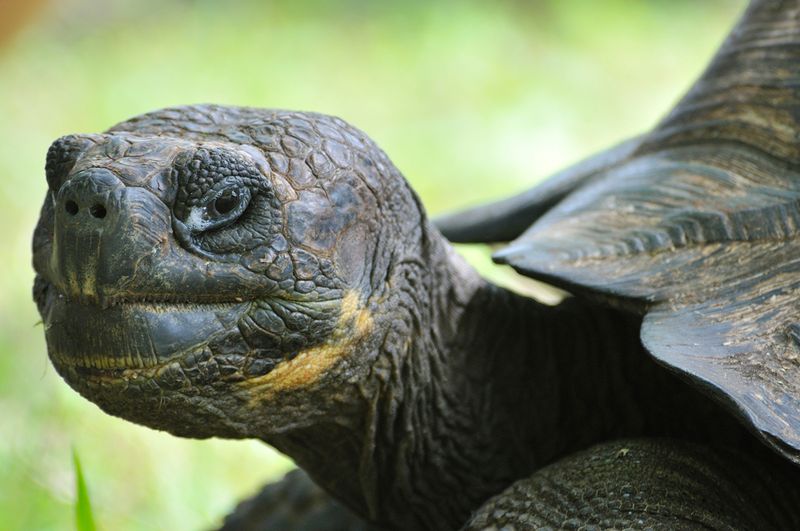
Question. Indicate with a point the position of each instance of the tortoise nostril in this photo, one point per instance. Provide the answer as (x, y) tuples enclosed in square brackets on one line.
[(98, 211), (71, 207)]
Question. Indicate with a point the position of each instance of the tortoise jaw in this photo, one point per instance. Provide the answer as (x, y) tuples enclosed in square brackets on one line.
[(119, 339), (186, 368)]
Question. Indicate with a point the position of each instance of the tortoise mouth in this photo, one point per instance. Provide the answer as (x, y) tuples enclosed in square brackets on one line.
[(133, 359), (136, 338), (178, 366), (164, 344)]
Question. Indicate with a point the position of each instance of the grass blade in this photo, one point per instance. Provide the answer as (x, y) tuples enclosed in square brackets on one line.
[(84, 520)]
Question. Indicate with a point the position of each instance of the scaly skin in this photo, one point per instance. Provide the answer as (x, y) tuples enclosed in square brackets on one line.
[(315, 308), (293, 503), (657, 484)]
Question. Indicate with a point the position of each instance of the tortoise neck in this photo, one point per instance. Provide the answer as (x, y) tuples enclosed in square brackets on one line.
[(471, 388), (477, 386)]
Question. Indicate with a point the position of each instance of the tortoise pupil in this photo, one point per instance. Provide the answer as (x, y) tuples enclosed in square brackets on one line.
[(226, 202)]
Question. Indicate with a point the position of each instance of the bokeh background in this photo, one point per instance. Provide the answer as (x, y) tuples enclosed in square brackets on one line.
[(473, 100)]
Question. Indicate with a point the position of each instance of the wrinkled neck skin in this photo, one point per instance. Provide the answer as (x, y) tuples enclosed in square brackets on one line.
[(471, 387)]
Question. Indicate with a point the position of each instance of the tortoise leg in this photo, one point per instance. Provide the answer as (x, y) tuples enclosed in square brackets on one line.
[(295, 503), (649, 484)]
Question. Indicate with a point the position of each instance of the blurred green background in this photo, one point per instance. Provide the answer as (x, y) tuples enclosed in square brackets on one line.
[(472, 100)]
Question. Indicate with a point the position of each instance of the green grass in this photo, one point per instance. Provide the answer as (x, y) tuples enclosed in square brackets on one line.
[(472, 100), (84, 518)]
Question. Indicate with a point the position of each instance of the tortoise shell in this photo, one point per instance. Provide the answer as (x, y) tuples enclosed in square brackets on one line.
[(695, 225)]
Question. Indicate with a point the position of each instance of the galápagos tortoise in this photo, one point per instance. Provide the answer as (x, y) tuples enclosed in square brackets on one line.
[(237, 272)]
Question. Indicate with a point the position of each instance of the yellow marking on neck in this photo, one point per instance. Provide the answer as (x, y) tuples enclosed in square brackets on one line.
[(310, 364)]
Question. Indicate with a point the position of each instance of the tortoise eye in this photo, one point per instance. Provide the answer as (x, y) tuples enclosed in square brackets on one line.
[(222, 209), (225, 208), (227, 201)]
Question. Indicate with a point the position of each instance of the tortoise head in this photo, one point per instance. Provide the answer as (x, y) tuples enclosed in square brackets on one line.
[(213, 271)]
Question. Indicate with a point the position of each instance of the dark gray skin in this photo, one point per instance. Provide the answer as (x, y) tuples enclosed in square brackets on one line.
[(234, 272), (394, 381), (294, 503), (407, 386)]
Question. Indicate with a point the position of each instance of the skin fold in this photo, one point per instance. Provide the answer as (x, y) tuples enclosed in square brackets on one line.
[(237, 272)]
